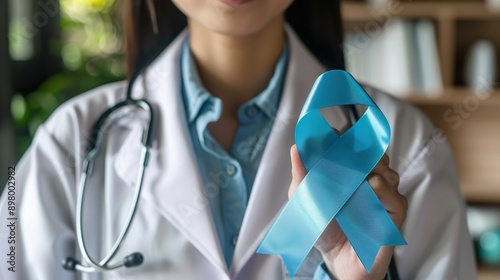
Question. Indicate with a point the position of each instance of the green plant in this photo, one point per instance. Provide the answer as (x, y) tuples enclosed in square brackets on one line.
[(92, 52)]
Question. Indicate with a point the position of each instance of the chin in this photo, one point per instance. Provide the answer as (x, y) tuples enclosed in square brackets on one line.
[(234, 17), (241, 26)]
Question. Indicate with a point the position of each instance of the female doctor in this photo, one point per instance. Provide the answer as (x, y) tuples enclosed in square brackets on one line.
[(227, 93)]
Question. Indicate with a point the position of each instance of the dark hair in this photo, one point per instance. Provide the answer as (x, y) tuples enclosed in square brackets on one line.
[(318, 24)]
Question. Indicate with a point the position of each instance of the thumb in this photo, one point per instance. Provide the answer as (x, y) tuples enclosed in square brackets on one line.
[(298, 170)]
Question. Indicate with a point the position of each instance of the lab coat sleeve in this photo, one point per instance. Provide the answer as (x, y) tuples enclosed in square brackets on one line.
[(439, 245), (44, 199)]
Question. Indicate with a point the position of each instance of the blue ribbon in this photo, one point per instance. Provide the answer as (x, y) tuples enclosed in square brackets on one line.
[(335, 185)]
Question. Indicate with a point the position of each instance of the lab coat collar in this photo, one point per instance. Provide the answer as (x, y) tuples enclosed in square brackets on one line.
[(172, 181)]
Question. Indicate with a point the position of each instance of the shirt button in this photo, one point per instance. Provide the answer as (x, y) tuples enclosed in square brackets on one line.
[(230, 169), (251, 111), (235, 240)]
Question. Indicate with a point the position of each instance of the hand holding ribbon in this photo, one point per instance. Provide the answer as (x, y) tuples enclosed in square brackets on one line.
[(335, 186)]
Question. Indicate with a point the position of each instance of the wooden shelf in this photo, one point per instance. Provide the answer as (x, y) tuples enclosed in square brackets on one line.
[(481, 192), (450, 96), (474, 136), (488, 273), (354, 11)]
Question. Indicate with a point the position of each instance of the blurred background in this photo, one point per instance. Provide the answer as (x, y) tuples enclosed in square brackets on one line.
[(441, 55)]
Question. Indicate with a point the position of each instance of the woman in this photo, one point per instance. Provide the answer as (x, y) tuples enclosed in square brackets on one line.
[(228, 92)]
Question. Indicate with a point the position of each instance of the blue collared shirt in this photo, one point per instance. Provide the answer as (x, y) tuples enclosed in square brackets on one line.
[(228, 177)]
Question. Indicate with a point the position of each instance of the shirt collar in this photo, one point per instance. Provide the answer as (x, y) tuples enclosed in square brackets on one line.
[(195, 94)]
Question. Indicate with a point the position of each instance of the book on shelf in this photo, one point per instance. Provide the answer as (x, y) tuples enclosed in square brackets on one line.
[(400, 58)]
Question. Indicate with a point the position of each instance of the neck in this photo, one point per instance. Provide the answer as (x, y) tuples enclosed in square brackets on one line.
[(236, 68)]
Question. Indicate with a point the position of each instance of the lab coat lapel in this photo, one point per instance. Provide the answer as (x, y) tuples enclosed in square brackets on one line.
[(273, 178), (172, 181)]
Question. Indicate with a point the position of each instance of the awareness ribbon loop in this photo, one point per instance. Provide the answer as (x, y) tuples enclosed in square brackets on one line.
[(335, 185)]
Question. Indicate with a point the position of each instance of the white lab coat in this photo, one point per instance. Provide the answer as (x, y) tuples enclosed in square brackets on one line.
[(173, 227)]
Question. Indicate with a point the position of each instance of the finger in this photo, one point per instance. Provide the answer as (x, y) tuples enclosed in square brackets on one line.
[(391, 176), (395, 203), (382, 165), (298, 170), (385, 159)]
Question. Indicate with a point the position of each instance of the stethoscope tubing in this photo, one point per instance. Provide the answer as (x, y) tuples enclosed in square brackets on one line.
[(103, 264)]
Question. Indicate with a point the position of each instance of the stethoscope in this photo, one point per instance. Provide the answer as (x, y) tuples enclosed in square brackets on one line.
[(94, 143)]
